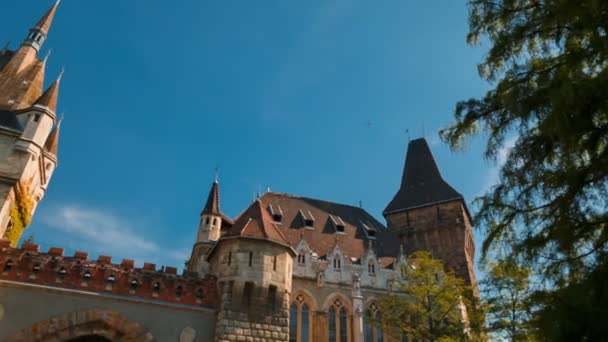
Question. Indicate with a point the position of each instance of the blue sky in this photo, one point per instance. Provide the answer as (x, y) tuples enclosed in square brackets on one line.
[(310, 97)]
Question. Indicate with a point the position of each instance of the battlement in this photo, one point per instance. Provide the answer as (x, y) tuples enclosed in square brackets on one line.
[(27, 264)]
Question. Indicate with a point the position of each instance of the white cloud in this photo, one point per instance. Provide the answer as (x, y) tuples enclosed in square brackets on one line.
[(493, 174), (101, 231)]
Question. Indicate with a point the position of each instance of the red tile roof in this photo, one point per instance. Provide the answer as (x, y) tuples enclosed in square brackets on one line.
[(322, 236), (256, 222)]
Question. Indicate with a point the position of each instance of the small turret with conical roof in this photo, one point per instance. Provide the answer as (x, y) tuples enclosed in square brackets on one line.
[(212, 220)]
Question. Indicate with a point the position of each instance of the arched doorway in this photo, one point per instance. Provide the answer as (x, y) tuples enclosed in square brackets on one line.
[(85, 326)]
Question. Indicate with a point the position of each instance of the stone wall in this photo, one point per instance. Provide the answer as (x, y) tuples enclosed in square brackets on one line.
[(255, 322)]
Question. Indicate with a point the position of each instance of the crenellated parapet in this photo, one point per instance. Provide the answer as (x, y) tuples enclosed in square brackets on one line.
[(53, 269)]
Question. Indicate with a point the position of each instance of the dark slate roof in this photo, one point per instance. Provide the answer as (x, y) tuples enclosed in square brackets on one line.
[(9, 119), (421, 183)]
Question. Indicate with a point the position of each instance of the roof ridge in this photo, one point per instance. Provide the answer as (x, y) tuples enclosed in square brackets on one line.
[(314, 199)]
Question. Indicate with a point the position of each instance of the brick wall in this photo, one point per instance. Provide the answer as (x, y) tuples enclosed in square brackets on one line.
[(443, 229), (27, 264)]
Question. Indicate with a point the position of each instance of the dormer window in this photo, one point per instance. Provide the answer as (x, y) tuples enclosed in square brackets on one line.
[(370, 231), (275, 212), (338, 223), (307, 218)]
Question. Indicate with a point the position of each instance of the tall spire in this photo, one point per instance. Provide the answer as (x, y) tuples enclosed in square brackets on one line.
[(38, 33), (52, 141), (49, 97), (44, 24), (213, 200), (421, 184)]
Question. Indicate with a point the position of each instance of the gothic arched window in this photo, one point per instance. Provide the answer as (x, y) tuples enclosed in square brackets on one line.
[(300, 328), (372, 324), (337, 322)]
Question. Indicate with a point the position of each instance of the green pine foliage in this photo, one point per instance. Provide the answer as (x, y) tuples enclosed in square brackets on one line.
[(548, 68)]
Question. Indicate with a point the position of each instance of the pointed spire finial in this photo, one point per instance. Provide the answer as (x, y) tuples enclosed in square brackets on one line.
[(60, 75), (48, 54), (44, 24), (217, 172)]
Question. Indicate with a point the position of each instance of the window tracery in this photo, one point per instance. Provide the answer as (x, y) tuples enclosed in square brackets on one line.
[(300, 320), (337, 322)]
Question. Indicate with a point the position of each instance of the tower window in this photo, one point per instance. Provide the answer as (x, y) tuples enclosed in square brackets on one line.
[(229, 258), (215, 221), (301, 259), (337, 263), (36, 117), (274, 263), (272, 297), (247, 293), (250, 258), (207, 221)]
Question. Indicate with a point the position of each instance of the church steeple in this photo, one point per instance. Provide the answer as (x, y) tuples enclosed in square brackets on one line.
[(39, 32)]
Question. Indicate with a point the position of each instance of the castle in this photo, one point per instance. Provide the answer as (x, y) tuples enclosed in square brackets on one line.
[(289, 268)]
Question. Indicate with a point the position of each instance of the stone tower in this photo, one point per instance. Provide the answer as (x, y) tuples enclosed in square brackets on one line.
[(253, 263), (428, 214), (211, 225), (29, 130)]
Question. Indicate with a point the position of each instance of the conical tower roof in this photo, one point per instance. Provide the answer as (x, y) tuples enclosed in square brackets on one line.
[(52, 141), (212, 206), (421, 184), (49, 97)]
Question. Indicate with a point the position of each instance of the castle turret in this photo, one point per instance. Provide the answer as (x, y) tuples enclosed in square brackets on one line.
[(39, 120), (28, 130), (253, 263), (428, 214), (211, 217), (212, 223)]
